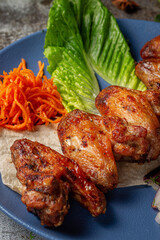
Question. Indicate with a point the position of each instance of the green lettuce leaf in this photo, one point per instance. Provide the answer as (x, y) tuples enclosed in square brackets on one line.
[(83, 37), (105, 45), (68, 63)]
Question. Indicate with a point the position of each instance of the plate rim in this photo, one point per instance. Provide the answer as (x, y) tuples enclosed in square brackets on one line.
[(2, 51)]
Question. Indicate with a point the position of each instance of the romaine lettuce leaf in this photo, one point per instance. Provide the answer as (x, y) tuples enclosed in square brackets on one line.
[(83, 37), (105, 44), (68, 62)]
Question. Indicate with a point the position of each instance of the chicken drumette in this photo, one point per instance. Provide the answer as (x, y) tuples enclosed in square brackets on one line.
[(148, 70), (151, 49), (82, 139), (47, 177), (91, 140), (136, 108)]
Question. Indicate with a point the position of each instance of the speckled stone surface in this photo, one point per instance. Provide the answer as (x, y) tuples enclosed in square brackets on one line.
[(19, 18)]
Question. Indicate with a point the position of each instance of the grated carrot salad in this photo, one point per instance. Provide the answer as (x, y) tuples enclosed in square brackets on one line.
[(27, 100)]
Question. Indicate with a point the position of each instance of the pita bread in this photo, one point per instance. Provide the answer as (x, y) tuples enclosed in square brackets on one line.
[(130, 174), (46, 135)]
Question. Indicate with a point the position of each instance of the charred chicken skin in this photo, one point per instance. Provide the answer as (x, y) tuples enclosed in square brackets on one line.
[(91, 141), (83, 139), (48, 177), (136, 109), (153, 97), (151, 49), (148, 70)]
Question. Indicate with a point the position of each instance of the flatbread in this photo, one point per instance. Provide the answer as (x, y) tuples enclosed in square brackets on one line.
[(46, 135), (130, 174)]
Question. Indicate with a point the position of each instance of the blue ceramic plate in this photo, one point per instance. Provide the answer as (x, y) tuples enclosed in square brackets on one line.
[(129, 215)]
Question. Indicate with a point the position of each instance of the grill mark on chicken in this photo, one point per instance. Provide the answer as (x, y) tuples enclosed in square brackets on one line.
[(48, 177), (137, 108), (148, 69), (93, 148)]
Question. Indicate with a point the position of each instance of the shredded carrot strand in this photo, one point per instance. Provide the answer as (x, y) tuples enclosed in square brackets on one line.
[(27, 100)]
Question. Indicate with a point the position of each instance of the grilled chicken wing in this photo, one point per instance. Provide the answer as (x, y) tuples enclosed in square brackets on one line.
[(47, 177), (151, 49), (90, 139), (153, 97), (129, 142), (136, 109), (82, 139), (50, 207), (148, 70)]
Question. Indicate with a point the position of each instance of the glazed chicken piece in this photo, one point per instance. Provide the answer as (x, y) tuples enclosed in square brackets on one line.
[(90, 140), (148, 70), (153, 97), (133, 106), (128, 142), (82, 139), (51, 206), (47, 177), (151, 49)]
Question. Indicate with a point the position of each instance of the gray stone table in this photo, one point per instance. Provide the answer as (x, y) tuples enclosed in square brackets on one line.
[(19, 18)]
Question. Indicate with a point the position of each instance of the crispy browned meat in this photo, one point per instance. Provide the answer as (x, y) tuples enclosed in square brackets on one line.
[(85, 137), (47, 177), (133, 106), (148, 70), (49, 207), (82, 139), (153, 97), (151, 49), (129, 142)]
